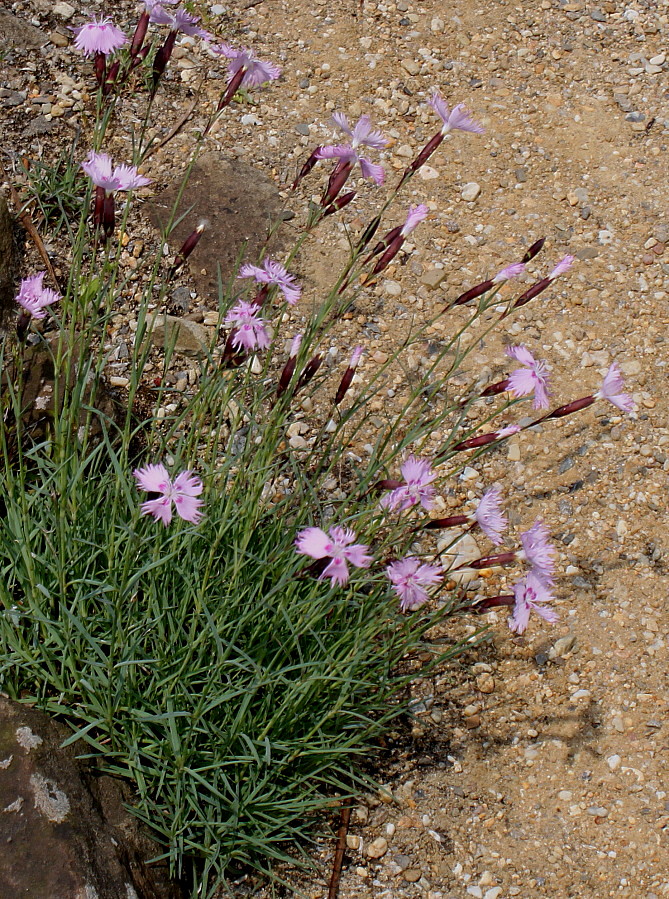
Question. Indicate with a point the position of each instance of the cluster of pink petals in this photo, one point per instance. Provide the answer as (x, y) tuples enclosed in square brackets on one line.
[(256, 71), (273, 273), (509, 272), (179, 20), (250, 329), (336, 545), (533, 378), (182, 492), (538, 551), (362, 135), (418, 477), (611, 390), (414, 217), (530, 594), (410, 577), (99, 169), (456, 119), (563, 266), (33, 297), (99, 36), (489, 515)]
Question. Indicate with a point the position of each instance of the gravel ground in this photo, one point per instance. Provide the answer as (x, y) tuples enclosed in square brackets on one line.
[(538, 766)]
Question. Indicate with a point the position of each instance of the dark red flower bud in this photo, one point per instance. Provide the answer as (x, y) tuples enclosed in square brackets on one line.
[(139, 35), (473, 292), (98, 206), (100, 68), (534, 249), (233, 87), (108, 216), (494, 389), (22, 325), (422, 157), (450, 522), (336, 181), (310, 370), (339, 203), (187, 248), (306, 168), (162, 57), (533, 291)]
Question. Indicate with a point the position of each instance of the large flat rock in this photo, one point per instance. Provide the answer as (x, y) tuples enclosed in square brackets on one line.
[(16, 32), (240, 204)]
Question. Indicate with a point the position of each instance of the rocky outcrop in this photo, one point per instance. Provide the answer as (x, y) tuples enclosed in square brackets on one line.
[(64, 835)]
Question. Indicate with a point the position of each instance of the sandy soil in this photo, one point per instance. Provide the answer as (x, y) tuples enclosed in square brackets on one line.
[(538, 765)]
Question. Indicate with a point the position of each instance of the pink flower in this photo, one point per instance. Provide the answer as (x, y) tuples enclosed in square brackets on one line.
[(356, 356), (415, 216), (256, 71), (335, 545), (489, 515), (251, 330), (272, 272), (563, 266), (98, 167), (361, 135), (530, 594), (456, 119), (538, 551), (182, 491), (295, 346), (417, 488), (99, 36), (511, 271), (531, 379), (179, 20), (33, 297), (611, 388), (508, 431), (409, 577)]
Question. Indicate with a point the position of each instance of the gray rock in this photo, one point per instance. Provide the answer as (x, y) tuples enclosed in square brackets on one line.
[(241, 205), (188, 337), (55, 839), (16, 32), (471, 191)]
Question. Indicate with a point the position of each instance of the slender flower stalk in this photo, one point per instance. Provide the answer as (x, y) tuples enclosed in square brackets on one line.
[(338, 546), (410, 577), (182, 492)]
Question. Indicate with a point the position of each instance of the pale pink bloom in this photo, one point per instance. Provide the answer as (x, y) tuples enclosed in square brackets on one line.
[(489, 515), (531, 379), (272, 272), (611, 388), (337, 545), (530, 595), (508, 431), (538, 551), (98, 167), (256, 71), (415, 216), (182, 491), (409, 577), (33, 297), (295, 346), (457, 118), (99, 36), (356, 356), (362, 135), (511, 271), (563, 266), (179, 20), (250, 329), (418, 477)]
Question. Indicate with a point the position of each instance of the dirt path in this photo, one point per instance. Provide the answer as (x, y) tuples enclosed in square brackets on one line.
[(542, 769)]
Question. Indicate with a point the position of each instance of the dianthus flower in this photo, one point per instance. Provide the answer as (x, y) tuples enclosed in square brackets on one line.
[(98, 167), (251, 330), (409, 577), (336, 545), (531, 379), (179, 21), (538, 551), (510, 271), (99, 36), (489, 515), (273, 273), (255, 71), (362, 135), (530, 595), (33, 297), (456, 119), (611, 388), (418, 477), (182, 492)]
